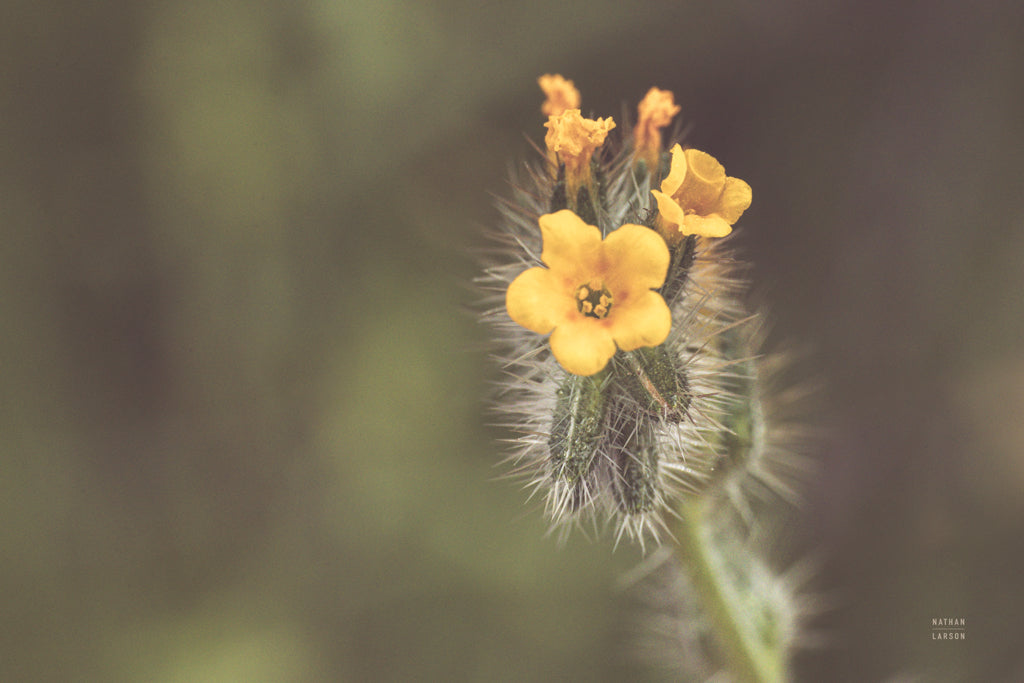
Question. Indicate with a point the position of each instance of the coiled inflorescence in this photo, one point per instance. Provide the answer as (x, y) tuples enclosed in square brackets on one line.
[(617, 249)]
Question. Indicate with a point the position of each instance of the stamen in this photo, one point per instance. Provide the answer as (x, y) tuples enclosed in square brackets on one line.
[(593, 300)]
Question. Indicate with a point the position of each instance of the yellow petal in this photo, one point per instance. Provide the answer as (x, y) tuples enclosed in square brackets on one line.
[(706, 226), (571, 247), (676, 173), (636, 258), (561, 94), (655, 112), (669, 210), (656, 109), (705, 167), (571, 135), (703, 184), (535, 300), (582, 346), (734, 201), (644, 321)]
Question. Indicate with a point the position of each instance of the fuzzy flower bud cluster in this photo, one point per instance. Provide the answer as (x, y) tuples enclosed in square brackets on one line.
[(619, 321)]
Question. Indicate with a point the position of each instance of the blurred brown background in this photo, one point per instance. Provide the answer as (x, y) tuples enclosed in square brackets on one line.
[(241, 434)]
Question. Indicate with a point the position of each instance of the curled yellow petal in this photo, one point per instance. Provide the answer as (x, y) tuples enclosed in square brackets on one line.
[(560, 92), (654, 112), (573, 139)]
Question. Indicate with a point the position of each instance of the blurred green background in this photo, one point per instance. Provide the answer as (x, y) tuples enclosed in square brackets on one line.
[(241, 431)]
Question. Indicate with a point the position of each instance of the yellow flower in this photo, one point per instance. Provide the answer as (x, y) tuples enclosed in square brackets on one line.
[(574, 139), (654, 112), (561, 94), (697, 198), (595, 295)]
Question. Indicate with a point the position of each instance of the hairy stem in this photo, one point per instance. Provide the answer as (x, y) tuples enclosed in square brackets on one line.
[(749, 659)]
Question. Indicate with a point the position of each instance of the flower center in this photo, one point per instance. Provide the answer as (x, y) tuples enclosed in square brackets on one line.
[(593, 300)]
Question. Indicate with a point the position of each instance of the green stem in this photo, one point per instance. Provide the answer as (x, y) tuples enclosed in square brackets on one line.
[(749, 659)]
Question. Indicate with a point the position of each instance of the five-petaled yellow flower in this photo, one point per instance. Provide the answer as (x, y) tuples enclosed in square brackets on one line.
[(697, 198), (595, 295)]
